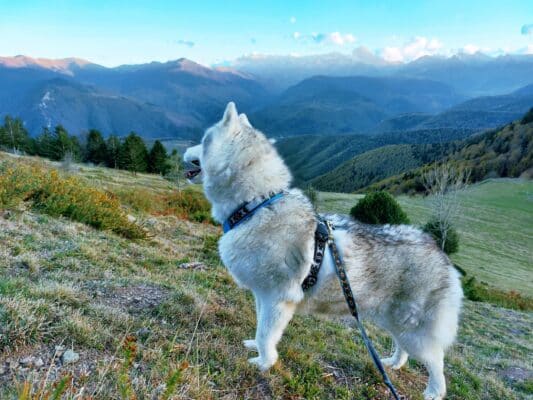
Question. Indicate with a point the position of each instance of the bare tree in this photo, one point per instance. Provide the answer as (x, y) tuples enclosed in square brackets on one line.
[(176, 169), (444, 183)]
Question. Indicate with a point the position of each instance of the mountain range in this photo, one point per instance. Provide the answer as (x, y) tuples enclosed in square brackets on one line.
[(428, 100), (176, 99), (470, 75)]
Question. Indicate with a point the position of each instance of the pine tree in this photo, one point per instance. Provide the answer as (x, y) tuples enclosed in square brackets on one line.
[(133, 154), (96, 148), (14, 136), (45, 144), (113, 151), (158, 159)]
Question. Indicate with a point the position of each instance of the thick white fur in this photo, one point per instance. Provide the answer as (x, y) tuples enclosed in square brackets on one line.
[(400, 279)]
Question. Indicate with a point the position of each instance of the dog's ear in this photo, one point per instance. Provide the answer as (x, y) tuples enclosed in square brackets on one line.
[(231, 117), (244, 120)]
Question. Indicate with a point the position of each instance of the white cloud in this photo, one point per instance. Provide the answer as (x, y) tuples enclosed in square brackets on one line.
[(364, 55), (334, 38), (292, 20), (528, 50), (471, 49), (417, 47), (187, 43), (340, 39)]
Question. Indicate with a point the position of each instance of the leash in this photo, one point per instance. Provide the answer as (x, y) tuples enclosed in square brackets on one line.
[(350, 300)]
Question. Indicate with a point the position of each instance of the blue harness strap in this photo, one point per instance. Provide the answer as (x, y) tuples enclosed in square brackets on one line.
[(247, 210)]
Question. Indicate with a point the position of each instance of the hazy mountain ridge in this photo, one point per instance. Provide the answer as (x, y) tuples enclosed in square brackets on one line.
[(470, 74), (356, 104)]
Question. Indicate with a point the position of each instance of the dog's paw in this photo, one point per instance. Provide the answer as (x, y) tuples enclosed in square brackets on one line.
[(250, 344), (261, 363), (392, 362), (432, 395)]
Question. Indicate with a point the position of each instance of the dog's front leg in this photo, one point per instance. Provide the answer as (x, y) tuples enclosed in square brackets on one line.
[(251, 344), (273, 317)]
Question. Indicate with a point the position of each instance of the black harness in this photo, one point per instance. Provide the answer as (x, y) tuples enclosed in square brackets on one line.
[(323, 237)]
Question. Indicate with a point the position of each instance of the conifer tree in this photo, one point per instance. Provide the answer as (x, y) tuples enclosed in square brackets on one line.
[(45, 144), (133, 154), (96, 148), (158, 159), (14, 136)]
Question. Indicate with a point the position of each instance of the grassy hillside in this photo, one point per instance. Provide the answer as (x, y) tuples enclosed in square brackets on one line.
[(161, 318), (495, 223)]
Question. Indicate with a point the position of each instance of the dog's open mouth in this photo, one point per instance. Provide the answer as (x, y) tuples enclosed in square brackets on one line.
[(190, 174)]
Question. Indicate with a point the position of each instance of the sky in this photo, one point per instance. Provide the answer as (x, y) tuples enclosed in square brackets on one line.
[(115, 32)]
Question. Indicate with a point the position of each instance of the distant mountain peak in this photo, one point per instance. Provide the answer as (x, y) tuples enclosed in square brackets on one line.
[(62, 65)]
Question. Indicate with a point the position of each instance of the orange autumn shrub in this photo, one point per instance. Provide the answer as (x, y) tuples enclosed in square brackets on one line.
[(68, 197)]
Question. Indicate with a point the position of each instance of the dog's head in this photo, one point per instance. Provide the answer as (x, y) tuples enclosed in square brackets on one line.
[(235, 161)]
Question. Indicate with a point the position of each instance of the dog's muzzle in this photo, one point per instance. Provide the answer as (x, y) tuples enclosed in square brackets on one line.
[(191, 173)]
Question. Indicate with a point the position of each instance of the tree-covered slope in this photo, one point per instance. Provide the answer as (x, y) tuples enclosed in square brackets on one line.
[(310, 156), (507, 152)]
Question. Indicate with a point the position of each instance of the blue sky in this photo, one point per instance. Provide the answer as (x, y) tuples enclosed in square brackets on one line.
[(117, 32)]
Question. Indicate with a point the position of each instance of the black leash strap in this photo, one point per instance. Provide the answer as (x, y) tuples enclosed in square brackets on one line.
[(348, 295)]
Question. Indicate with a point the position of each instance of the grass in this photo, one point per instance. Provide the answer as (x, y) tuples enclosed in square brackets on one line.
[(147, 325)]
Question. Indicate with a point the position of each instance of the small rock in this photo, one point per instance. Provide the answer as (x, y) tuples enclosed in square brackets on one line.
[(192, 265), (69, 357), (38, 363), (143, 333), (131, 218), (3, 369), (26, 361)]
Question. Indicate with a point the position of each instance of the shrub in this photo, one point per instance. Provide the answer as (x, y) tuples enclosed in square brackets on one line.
[(451, 244), (476, 291), (67, 197), (185, 203), (379, 208)]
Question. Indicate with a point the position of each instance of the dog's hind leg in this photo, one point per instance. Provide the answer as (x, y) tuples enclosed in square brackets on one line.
[(273, 319), (398, 358), (436, 388)]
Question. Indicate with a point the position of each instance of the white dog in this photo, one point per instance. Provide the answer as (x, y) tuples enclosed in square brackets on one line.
[(400, 278)]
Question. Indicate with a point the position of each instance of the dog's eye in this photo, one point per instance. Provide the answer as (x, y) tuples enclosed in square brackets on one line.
[(196, 162)]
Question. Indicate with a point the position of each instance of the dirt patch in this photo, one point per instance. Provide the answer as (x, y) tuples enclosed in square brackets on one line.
[(134, 299), (516, 374)]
